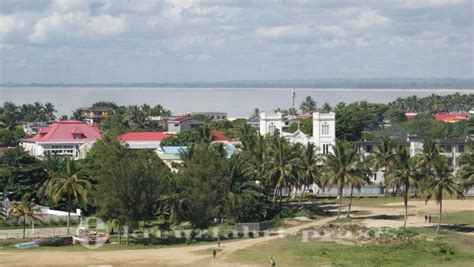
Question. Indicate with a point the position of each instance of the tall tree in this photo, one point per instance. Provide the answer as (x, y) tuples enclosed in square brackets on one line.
[(70, 185), (340, 166), (309, 167), (26, 210), (384, 155), (405, 172), (440, 183), (308, 106)]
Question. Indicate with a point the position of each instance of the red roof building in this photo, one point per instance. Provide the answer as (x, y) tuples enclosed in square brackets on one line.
[(69, 138), (451, 117), (143, 140), (219, 137), (410, 115)]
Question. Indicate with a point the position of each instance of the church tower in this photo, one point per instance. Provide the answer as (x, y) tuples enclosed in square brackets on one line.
[(324, 131), (270, 122)]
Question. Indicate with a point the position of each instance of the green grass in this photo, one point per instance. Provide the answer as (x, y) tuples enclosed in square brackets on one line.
[(292, 252), (462, 217)]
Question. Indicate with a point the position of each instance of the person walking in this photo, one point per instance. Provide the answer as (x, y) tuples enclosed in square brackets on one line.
[(272, 261), (218, 242), (214, 252), (429, 218), (426, 218)]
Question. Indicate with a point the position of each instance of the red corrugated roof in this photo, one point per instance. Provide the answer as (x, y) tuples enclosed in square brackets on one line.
[(181, 119), (63, 131), (451, 117), (142, 136), (218, 136), (411, 115)]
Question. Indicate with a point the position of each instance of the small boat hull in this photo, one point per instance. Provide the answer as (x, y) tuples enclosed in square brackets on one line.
[(28, 245)]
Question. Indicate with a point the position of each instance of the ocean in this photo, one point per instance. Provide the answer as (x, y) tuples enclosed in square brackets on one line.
[(237, 102)]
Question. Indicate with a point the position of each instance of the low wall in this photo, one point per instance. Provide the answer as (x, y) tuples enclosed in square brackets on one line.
[(251, 227), (364, 191)]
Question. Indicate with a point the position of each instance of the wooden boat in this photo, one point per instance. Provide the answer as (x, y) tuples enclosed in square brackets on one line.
[(27, 245), (91, 239), (53, 241)]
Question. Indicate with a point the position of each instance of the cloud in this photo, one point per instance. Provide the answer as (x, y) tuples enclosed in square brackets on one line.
[(236, 36), (9, 25), (287, 31), (370, 18)]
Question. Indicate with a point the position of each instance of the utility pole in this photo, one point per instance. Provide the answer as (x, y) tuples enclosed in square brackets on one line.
[(293, 95)]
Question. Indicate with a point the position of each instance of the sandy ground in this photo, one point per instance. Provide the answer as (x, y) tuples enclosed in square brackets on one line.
[(416, 211), (200, 255)]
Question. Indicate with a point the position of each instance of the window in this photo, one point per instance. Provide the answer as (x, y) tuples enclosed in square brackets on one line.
[(461, 148), (271, 128), (325, 129), (325, 149), (446, 148), (369, 149)]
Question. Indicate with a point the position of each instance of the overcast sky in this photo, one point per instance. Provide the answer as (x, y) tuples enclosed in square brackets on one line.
[(186, 40)]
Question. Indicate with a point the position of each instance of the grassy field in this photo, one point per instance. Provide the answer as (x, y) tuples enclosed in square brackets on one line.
[(445, 250)]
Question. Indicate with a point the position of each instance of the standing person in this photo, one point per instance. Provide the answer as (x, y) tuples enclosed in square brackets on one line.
[(214, 252), (429, 218), (426, 218), (272, 261), (218, 242)]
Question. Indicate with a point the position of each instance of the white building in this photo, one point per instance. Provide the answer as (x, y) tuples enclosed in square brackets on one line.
[(65, 138), (324, 130)]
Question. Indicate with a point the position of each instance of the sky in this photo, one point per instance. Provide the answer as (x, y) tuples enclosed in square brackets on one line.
[(100, 41)]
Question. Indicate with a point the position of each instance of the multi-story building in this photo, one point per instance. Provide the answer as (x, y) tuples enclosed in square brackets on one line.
[(451, 148), (94, 115), (324, 130), (65, 138)]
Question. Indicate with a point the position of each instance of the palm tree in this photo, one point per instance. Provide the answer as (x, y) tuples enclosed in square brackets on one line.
[(441, 184), (404, 172), (359, 178), (383, 157), (308, 106), (26, 210), (52, 164), (247, 136), (309, 171), (280, 171), (326, 108), (70, 185), (341, 165), (205, 134), (466, 171), (49, 111), (430, 153)]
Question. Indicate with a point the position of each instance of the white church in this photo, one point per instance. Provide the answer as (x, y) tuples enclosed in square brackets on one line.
[(324, 130)]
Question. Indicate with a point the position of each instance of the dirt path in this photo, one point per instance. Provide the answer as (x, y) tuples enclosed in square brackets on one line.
[(177, 256), (200, 255), (394, 213)]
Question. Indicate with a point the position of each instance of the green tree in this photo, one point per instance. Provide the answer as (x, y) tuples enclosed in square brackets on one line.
[(309, 169), (308, 106), (70, 185), (405, 172), (21, 173), (439, 183), (340, 166), (204, 184), (26, 210)]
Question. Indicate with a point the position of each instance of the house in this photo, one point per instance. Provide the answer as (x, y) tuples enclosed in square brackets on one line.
[(211, 116), (411, 115), (66, 138), (451, 148), (143, 140), (451, 117), (93, 115), (180, 124), (254, 122), (171, 155), (324, 130)]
